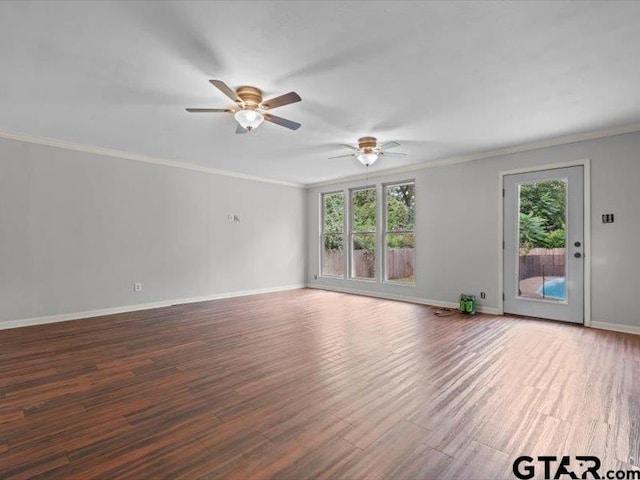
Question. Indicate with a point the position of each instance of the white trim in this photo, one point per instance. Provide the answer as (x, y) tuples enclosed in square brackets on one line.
[(587, 242), (586, 164), (616, 327), (580, 137), (401, 298), (64, 317), (51, 142)]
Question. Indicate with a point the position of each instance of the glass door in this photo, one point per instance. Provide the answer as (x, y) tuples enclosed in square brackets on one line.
[(543, 244)]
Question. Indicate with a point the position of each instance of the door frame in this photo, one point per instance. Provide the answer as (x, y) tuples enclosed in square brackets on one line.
[(586, 164)]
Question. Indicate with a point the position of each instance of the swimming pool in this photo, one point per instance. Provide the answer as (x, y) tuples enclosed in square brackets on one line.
[(555, 289)]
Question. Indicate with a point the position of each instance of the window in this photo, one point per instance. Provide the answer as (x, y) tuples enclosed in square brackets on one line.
[(333, 234), (363, 233), (400, 236)]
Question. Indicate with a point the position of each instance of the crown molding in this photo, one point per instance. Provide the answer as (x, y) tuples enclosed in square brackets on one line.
[(563, 140), (525, 147), (78, 147)]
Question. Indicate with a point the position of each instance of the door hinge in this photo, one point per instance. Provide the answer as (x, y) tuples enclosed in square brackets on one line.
[(503, 244), (503, 192), (503, 296)]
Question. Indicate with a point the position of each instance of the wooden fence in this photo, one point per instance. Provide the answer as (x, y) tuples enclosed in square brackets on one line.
[(400, 263), (539, 262), (332, 262)]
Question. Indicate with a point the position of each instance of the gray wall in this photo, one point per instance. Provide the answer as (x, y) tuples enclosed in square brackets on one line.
[(77, 230), (457, 227)]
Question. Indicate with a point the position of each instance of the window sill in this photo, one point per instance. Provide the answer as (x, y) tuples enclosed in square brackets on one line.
[(365, 280), (401, 284), (336, 277)]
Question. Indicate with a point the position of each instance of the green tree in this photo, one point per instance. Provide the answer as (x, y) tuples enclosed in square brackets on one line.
[(555, 239), (401, 215), (545, 200), (532, 231), (542, 214), (401, 207), (333, 218), (364, 219), (364, 210)]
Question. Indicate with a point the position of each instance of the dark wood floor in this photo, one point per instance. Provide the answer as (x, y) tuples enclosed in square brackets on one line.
[(311, 384)]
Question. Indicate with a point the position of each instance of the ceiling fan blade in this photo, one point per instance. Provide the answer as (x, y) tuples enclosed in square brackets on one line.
[(389, 145), (350, 146), (393, 154), (240, 129), (282, 121), (207, 110), (286, 99), (228, 91), (343, 156)]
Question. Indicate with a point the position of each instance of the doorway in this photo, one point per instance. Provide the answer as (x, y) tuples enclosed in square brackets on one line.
[(543, 244)]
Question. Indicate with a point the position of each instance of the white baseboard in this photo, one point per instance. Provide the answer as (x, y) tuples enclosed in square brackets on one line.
[(64, 317), (616, 327), (402, 298)]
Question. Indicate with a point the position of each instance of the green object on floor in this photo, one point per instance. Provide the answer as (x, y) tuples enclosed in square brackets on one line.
[(467, 304)]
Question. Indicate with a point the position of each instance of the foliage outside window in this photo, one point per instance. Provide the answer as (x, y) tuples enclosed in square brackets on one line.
[(400, 238), (542, 215), (333, 234), (363, 233)]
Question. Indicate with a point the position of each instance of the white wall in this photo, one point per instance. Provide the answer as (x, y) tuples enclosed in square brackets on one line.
[(77, 230), (457, 227)]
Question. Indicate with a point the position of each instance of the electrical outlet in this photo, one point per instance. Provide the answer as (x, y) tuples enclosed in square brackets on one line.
[(137, 287), (230, 217), (483, 295)]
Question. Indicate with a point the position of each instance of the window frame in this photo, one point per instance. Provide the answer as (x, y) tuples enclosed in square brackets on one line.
[(323, 233), (385, 232), (374, 234)]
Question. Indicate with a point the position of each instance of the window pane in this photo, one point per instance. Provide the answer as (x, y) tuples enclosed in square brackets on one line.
[(400, 257), (363, 206), (333, 212), (542, 240), (363, 257), (333, 255), (401, 207)]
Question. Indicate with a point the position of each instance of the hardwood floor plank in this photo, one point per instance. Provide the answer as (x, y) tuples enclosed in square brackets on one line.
[(476, 460), (39, 466), (311, 384), (380, 459)]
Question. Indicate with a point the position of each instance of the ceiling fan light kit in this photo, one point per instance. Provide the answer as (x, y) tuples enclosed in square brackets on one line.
[(367, 159), (248, 119)]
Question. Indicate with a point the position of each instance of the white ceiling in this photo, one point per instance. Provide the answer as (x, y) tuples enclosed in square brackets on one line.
[(444, 79)]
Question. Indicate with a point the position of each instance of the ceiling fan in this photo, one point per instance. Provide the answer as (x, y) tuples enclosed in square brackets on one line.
[(250, 110), (368, 150)]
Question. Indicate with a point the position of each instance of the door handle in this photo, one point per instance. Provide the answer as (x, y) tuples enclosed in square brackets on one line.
[(577, 255)]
